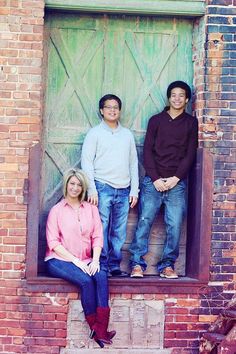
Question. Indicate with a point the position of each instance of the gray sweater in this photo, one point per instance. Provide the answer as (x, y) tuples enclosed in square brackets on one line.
[(110, 156)]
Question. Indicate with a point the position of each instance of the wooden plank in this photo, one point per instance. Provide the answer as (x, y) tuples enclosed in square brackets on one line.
[(200, 216), (33, 210), (147, 7)]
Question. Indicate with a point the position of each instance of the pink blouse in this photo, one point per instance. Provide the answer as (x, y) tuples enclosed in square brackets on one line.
[(79, 235)]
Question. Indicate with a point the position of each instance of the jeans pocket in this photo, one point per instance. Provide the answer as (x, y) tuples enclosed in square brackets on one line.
[(182, 184), (100, 186), (147, 185), (125, 192), (146, 180)]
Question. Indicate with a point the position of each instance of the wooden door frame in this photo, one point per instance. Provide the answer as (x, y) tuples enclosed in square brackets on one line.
[(139, 7), (202, 177)]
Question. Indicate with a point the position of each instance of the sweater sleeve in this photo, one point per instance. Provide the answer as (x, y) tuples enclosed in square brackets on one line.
[(87, 160), (187, 161), (134, 179), (148, 151)]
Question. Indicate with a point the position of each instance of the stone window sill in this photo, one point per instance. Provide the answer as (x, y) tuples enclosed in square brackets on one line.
[(149, 284)]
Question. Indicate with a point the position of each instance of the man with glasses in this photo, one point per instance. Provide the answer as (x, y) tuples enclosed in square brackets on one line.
[(109, 158)]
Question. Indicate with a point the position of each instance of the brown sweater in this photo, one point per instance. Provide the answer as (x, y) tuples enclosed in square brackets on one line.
[(170, 145)]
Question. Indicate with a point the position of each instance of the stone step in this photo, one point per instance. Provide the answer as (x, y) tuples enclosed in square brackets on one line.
[(115, 351)]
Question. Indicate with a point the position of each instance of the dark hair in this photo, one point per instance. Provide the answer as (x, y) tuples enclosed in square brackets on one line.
[(180, 84), (109, 96)]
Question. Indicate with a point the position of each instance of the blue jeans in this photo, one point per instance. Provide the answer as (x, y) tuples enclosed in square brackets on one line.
[(174, 201), (113, 205), (93, 289)]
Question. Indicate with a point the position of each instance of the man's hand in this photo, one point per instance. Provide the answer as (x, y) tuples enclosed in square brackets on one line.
[(171, 182), (93, 199), (133, 201), (160, 185)]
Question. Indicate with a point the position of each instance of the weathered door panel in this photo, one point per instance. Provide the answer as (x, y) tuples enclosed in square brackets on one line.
[(88, 56)]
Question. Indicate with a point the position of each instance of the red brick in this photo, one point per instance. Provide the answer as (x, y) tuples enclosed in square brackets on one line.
[(14, 3), (60, 333), (3, 3), (55, 325), (187, 318), (15, 349), (10, 323), (47, 317), (170, 335), (32, 325), (2, 315), (187, 334), (3, 332), (16, 331), (4, 11), (169, 343), (55, 309), (18, 340), (14, 240), (6, 266), (173, 310), (42, 332), (6, 340), (61, 317)]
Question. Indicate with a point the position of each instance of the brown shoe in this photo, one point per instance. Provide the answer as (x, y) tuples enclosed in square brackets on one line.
[(137, 272), (168, 273)]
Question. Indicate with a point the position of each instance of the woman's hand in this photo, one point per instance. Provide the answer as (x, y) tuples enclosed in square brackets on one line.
[(82, 265), (94, 267)]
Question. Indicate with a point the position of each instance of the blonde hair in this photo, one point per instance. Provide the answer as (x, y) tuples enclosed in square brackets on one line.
[(81, 177)]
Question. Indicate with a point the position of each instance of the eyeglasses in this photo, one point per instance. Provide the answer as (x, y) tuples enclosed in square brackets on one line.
[(116, 108)]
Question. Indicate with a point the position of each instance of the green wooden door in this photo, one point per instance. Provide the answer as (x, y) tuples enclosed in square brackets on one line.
[(91, 55)]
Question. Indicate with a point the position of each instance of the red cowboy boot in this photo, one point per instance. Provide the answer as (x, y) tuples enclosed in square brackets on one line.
[(101, 324), (91, 321)]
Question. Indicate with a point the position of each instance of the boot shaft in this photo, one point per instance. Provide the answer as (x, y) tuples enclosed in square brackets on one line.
[(102, 321), (91, 320)]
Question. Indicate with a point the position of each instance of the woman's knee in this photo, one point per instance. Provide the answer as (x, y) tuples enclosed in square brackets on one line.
[(86, 282), (101, 276)]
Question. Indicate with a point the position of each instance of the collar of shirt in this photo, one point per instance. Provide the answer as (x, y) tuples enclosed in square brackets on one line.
[(180, 116), (106, 127), (65, 202)]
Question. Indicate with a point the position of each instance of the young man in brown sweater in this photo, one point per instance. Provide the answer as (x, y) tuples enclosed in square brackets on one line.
[(169, 151)]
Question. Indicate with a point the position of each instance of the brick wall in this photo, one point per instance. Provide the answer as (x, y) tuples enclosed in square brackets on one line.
[(216, 111), (218, 135), (21, 44), (36, 322)]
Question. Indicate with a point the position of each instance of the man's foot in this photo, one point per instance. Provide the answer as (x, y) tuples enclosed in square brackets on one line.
[(168, 273), (137, 272), (118, 273)]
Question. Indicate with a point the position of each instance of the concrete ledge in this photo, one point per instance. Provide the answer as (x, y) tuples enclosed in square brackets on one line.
[(147, 285), (116, 351)]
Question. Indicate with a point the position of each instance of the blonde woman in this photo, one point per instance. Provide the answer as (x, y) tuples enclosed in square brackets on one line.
[(74, 243)]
